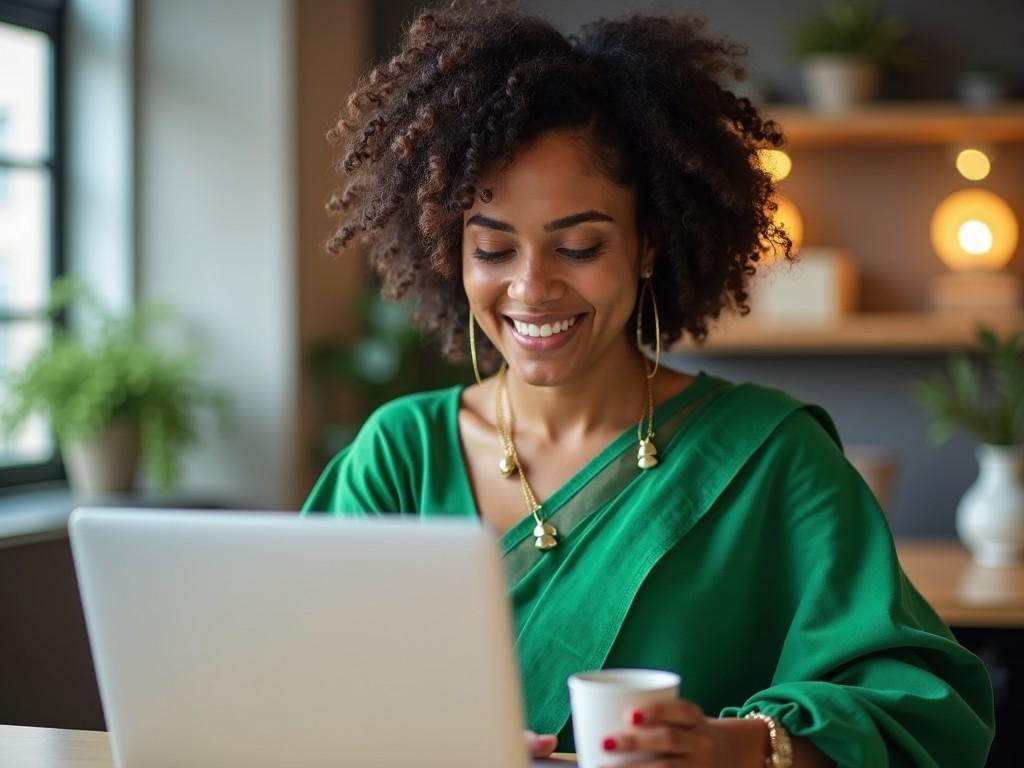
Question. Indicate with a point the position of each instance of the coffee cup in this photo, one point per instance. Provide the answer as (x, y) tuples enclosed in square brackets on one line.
[(600, 702)]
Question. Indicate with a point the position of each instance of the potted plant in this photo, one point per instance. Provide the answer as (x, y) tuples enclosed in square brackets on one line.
[(390, 358), (987, 400), (114, 396), (842, 51)]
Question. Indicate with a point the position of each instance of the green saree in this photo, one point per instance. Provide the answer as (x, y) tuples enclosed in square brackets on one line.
[(753, 561)]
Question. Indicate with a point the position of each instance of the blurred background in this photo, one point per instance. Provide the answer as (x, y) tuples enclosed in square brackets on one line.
[(172, 152)]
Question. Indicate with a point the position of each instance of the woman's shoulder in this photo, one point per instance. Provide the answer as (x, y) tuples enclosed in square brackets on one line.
[(417, 410), (796, 420)]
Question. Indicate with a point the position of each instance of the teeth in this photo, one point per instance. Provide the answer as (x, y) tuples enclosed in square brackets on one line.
[(548, 329)]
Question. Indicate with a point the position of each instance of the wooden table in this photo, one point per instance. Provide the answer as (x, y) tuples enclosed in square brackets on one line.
[(963, 594), (22, 747)]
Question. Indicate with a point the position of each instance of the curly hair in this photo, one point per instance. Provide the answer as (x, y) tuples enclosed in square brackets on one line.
[(473, 82)]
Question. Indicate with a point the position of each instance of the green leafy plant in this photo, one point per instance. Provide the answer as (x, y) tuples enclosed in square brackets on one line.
[(854, 27), (115, 373), (959, 402), (389, 359)]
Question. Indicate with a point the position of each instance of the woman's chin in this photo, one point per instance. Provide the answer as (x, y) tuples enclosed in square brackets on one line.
[(542, 374)]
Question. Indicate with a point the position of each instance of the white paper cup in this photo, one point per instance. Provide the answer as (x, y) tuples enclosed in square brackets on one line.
[(600, 702)]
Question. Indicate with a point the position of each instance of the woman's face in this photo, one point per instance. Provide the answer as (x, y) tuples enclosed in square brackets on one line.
[(550, 264)]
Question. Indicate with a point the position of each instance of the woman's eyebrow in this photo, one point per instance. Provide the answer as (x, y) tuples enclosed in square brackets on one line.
[(480, 220), (577, 218)]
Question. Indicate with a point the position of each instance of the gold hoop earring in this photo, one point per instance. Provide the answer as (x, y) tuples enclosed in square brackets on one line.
[(647, 288), (472, 346)]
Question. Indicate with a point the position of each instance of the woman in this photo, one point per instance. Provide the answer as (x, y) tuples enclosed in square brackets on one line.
[(551, 205)]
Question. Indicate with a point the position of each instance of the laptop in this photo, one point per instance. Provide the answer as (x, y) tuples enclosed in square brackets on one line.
[(267, 640)]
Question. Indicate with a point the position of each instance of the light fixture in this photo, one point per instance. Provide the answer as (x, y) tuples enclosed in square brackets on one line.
[(975, 233), (973, 164), (788, 217), (974, 229), (775, 162)]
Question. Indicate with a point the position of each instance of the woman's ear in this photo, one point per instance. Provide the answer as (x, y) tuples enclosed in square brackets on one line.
[(646, 254)]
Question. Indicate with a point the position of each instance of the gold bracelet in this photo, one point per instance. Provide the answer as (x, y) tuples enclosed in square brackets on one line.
[(778, 739)]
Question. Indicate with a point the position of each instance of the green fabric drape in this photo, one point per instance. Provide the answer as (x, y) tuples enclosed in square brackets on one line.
[(753, 561)]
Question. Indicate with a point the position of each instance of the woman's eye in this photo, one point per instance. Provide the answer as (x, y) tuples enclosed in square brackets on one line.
[(582, 254), (483, 255)]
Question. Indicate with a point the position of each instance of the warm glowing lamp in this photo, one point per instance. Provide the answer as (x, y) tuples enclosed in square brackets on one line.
[(974, 229), (975, 233), (973, 164), (788, 217), (776, 162)]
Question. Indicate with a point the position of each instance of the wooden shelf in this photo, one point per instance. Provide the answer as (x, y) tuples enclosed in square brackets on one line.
[(866, 333), (899, 123)]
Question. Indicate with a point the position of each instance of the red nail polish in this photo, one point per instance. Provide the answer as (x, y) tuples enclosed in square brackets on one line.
[(638, 717), (608, 744)]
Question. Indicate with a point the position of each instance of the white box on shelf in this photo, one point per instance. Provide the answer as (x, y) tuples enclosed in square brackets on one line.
[(821, 287)]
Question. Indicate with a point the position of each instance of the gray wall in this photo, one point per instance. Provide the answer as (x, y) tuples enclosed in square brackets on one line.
[(949, 36), (216, 221), (838, 192)]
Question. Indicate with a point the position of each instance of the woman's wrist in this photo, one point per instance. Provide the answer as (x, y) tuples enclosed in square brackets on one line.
[(742, 743)]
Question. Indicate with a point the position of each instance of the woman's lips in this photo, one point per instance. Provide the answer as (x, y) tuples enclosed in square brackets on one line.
[(553, 341)]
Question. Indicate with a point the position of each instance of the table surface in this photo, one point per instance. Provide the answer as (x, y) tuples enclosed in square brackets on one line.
[(23, 747), (964, 594)]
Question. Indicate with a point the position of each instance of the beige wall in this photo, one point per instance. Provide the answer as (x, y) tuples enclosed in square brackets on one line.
[(333, 48), (234, 99), (216, 217)]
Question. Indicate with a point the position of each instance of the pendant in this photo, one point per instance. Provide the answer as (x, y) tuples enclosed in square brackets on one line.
[(545, 534), (646, 457), (507, 466)]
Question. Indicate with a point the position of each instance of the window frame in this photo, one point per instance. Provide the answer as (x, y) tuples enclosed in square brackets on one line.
[(46, 16)]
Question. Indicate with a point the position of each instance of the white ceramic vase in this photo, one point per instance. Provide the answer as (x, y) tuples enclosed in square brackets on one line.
[(837, 82), (990, 516)]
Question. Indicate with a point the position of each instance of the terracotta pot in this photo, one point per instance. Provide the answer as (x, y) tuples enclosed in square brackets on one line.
[(104, 464)]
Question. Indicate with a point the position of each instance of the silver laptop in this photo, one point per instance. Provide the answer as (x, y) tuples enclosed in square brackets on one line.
[(269, 640)]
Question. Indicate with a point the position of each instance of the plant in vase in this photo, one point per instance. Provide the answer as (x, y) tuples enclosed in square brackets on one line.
[(842, 50), (114, 396), (986, 399)]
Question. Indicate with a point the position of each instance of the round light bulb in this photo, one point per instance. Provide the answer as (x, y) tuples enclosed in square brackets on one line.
[(973, 164), (975, 237), (775, 162), (974, 229)]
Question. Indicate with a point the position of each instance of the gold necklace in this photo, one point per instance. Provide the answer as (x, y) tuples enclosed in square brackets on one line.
[(545, 534)]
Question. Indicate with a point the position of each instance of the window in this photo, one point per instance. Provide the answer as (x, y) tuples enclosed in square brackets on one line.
[(30, 45)]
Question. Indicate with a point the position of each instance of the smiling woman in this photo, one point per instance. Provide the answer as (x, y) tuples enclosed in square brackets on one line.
[(561, 208)]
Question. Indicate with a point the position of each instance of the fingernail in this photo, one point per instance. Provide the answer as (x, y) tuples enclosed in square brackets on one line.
[(638, 717), (608, 744)]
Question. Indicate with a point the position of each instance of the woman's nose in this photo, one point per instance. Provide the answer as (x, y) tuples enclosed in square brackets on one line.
[(535, 282)]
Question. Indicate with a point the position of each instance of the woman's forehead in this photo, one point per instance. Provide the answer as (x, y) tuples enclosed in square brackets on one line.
[(552, 177)]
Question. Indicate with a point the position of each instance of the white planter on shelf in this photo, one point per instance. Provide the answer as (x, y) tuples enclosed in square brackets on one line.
[(990, 516), (836, 82)]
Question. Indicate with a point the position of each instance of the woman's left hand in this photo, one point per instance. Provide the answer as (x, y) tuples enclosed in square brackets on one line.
[(677, 731)]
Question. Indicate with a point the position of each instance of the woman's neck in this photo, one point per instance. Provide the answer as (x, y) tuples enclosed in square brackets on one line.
[(608, 397)]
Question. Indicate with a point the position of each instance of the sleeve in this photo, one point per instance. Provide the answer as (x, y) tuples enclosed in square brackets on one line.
[(867, 671), (370, 476)]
